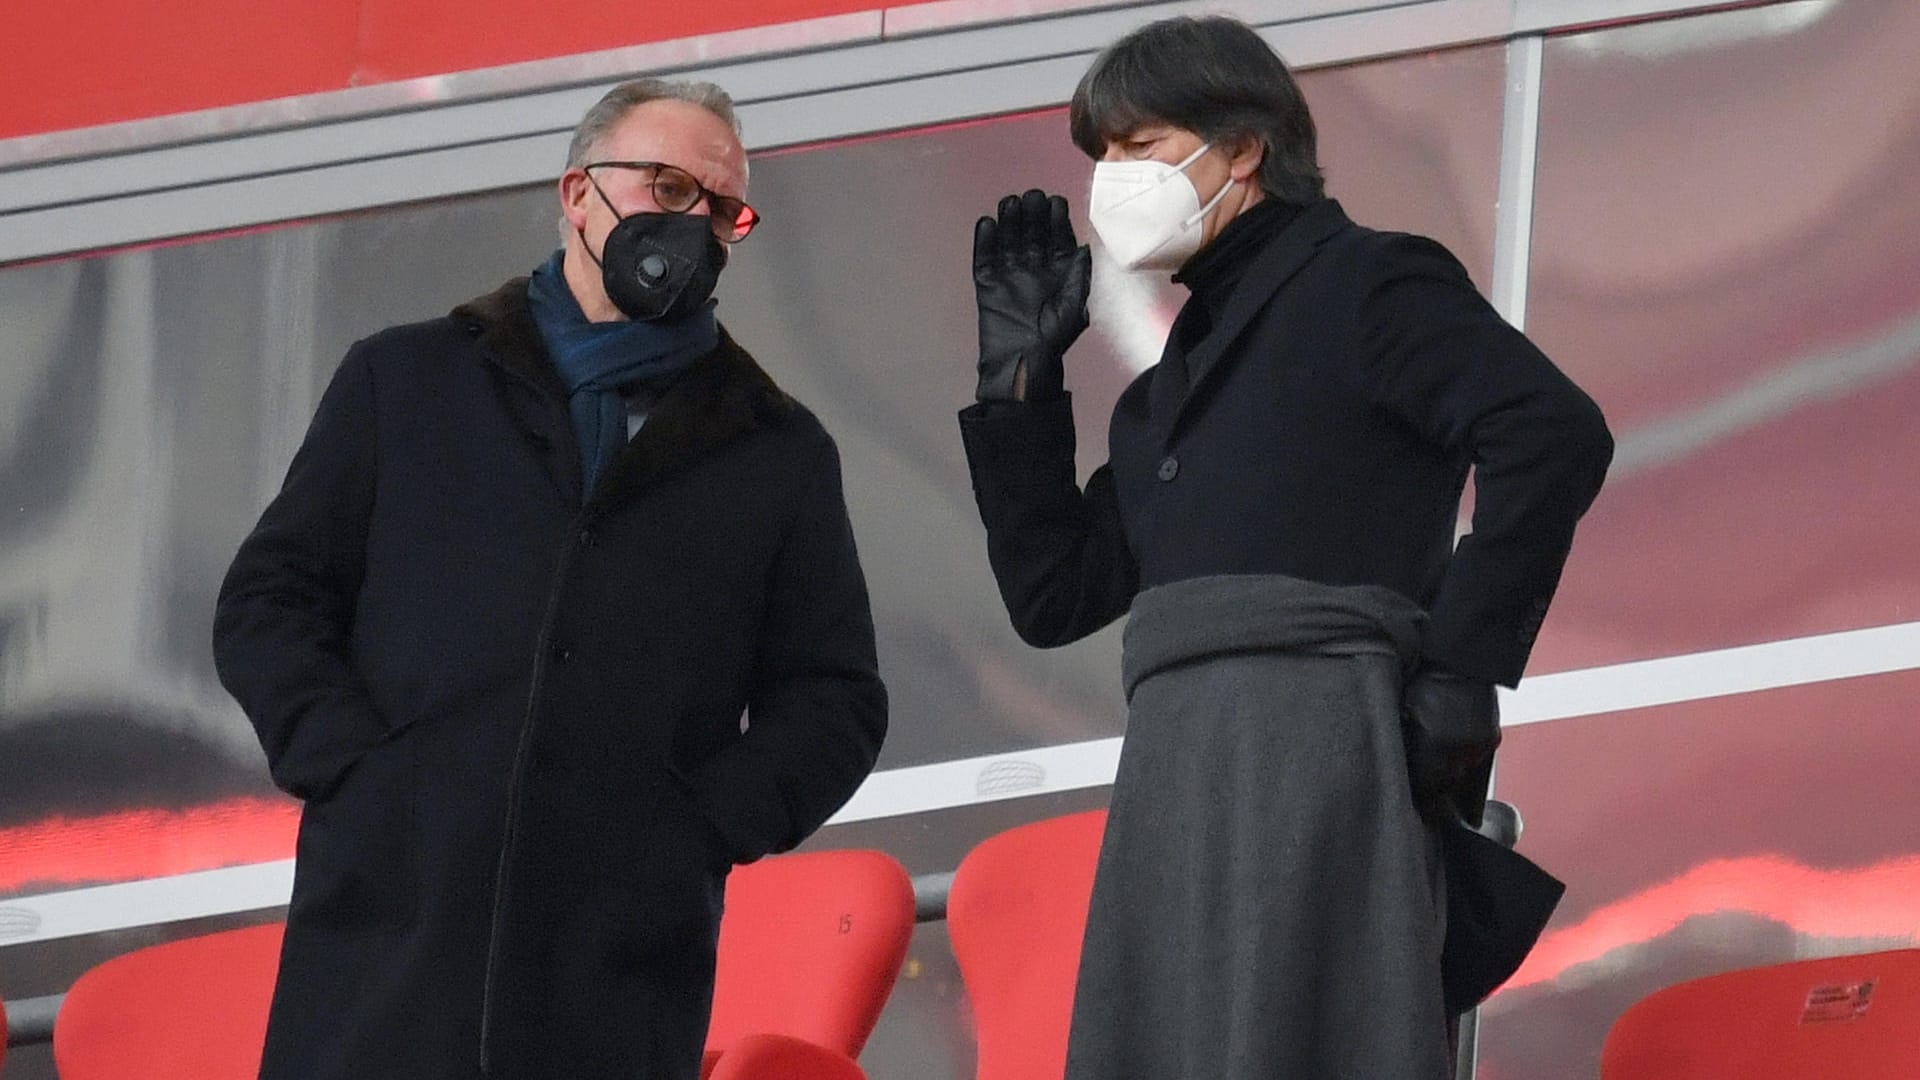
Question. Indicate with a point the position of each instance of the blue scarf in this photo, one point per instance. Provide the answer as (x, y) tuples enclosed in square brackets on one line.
[(595, 359)]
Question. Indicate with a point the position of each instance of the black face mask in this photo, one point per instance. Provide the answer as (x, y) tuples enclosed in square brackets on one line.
[(659, 266)]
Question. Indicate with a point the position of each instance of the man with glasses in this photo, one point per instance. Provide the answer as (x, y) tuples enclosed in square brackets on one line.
[(557, 617)]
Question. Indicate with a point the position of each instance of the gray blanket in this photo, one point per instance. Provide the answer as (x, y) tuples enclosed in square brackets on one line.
[(1268, 902)]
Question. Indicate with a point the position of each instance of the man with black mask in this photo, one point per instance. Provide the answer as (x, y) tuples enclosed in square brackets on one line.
[(531, 566)]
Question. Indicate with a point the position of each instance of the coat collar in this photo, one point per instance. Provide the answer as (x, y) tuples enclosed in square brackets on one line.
[(1170, 395), (723, 397)]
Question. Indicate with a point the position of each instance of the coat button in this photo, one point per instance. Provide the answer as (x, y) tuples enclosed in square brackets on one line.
[(587, 539), (562, 654), (1169, 468)]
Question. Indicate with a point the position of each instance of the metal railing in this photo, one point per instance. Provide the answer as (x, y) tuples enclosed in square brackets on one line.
[(30, 1020)]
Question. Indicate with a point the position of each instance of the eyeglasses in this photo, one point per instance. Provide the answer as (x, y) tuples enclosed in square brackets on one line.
[(676, 192)]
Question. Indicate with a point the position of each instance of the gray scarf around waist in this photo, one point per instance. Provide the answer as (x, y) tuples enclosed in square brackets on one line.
[(1238, 614), (1497, 901)]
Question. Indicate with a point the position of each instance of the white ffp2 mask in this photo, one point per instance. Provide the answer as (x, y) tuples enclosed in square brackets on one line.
[(1148, 213)]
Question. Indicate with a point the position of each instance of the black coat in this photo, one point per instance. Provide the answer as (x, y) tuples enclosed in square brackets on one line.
[(517, 721), (1317, 420), (1321, 428)]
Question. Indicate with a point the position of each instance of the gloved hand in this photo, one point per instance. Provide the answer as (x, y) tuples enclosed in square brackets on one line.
[(1452, 725), (1030, 279)]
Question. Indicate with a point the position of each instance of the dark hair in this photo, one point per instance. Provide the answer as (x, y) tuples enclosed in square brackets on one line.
[(1213, 76)]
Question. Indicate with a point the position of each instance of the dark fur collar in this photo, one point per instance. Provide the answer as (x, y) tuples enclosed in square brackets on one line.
[(723, 397)]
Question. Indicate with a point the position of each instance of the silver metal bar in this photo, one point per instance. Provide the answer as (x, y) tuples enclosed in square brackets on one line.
[(30, 1020), (930, 896), (824, 79), (1501, 823), (848, 56), (1466, 1059), (1512, 252), (946, 785), (604, 66), (941, 17), (1519, 160), (123, 905), (1540, 16)]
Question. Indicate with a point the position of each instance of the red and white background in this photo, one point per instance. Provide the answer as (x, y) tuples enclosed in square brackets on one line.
[(1704, 212)]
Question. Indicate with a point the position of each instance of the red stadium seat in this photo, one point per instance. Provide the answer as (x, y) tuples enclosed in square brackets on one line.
[(194, 1009), (779, 1057), (1856, 1017), (810, 947), (1016, 914)]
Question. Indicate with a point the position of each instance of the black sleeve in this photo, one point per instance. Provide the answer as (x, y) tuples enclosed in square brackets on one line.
[(1443, 359), (283, 623), (818, 710), (1059, 554)]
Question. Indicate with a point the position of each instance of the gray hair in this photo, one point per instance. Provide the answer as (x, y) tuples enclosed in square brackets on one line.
[(616, 103), (623, 99)]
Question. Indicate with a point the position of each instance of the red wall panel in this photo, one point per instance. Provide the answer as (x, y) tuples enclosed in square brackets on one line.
[(76, 65), (402, 39), (116, 60)]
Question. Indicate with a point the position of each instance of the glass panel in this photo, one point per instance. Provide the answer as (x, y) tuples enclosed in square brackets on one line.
[(149, 403), (1414, 145), (1702, 837), (1724, 257)]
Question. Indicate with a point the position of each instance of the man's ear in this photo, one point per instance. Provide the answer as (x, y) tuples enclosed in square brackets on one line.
[(1246, 156), (575, 191)]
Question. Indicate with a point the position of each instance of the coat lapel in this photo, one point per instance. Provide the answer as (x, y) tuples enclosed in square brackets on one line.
[(1272, 267), (502, 324), (722, 397), (1170, 383)]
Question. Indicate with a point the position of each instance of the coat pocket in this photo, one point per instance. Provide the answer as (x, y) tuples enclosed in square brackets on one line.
[(355, 863), (675, 880)]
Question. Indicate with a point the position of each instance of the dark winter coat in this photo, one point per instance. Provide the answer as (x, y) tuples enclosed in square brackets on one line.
[(517, 722), (1322, 428), (1315, 422)]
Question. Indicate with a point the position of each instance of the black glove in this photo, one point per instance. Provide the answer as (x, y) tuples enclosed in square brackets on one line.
[(1452, 727), (1030, 279)]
